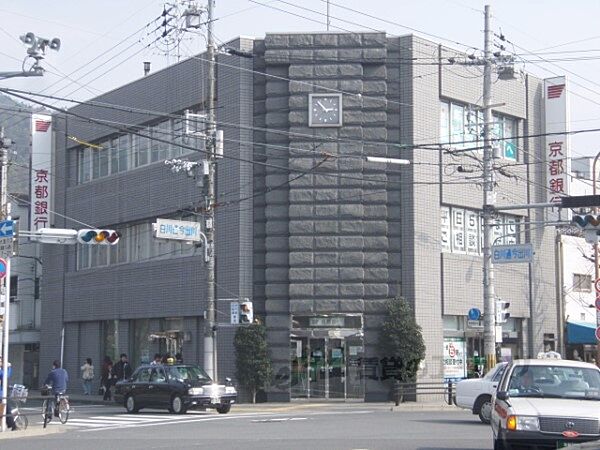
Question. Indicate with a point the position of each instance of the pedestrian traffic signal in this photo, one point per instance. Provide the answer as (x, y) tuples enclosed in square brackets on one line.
[(502, 313), (246, 313), (98, 237)]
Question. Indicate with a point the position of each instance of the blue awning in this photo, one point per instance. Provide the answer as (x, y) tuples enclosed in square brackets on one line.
[(581, 333)]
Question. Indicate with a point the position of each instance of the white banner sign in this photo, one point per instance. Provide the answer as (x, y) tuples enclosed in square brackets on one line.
[(455, 360), (557, 149), (41, 164)]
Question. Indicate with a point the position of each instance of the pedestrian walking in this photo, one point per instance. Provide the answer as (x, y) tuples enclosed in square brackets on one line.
[(157, 359), (106, 378), (122, 369), (87, 374)]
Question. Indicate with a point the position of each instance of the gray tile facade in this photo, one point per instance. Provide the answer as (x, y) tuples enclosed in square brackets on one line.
[(311, 227)]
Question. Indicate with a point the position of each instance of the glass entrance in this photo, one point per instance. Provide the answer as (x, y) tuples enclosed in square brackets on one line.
[(326, 368)]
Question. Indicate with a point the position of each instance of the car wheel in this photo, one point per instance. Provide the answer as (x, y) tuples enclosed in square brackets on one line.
[(131, 404), (177, 405), (485, 409), (223, 409)]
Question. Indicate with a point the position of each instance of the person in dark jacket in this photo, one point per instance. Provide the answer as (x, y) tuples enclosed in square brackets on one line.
[(122, 369), (106, 377)]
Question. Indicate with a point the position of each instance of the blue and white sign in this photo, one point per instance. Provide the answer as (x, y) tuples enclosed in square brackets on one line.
[(7, 228), (474, 314), (177, 229), (518, 253)]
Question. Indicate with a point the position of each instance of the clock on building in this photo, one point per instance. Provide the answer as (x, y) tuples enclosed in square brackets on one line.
[(324, 110)]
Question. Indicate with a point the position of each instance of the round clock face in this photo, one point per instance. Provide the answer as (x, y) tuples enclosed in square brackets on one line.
[(325, 110)]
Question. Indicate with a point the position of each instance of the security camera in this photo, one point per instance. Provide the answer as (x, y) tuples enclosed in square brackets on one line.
[(28, 38)]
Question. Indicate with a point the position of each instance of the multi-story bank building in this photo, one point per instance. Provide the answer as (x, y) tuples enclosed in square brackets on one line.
[(316, 236)]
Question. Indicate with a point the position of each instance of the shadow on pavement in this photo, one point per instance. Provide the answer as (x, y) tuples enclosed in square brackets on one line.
[(454, 422)]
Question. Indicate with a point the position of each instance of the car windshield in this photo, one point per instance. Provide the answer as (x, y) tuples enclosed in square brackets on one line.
[(555, 382), (187, 373)]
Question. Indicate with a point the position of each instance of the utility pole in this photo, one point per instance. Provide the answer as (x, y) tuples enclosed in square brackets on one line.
[(210, 341), (489, 313), (5, 285)]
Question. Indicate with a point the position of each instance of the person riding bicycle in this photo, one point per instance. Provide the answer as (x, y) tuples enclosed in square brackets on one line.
[(58, 379)]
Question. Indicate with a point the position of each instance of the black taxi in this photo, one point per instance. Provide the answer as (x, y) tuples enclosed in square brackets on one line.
[(176, 387)]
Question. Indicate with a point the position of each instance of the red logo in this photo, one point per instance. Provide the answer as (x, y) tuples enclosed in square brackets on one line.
[(556, 90), (42, 125), (570, 434)]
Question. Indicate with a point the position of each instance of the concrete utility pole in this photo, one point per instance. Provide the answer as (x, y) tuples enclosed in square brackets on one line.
[(5, 284), (210, 341), (489, 313)]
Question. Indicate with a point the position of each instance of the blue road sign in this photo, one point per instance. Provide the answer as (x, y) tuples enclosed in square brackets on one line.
[(7, 228), (474, 314)]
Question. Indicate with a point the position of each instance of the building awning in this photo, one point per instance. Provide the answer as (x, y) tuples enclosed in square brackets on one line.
[(581, 333)]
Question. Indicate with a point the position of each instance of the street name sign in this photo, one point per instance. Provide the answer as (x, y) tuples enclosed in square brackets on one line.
[(179, 230), (517, 253), (474, 323)]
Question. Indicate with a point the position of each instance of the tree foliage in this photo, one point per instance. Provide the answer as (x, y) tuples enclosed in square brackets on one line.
[(400, 337), (253, 365)]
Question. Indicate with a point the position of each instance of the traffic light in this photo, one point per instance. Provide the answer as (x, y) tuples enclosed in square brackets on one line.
[(502, 313), (246, 313), (590, 225), (98, 237)]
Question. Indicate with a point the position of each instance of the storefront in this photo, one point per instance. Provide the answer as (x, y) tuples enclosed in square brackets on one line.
[(327, 356)]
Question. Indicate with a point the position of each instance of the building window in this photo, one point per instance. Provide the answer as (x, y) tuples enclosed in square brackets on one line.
[(461, 126), (14, 287), (582, 283), (462, 230)]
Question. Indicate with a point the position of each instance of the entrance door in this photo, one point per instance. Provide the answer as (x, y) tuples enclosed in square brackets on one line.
[(336, 368), (318, 368)]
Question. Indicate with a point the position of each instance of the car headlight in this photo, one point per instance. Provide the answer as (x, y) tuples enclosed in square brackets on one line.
[(196, 391), (229, 390), (523, 423)]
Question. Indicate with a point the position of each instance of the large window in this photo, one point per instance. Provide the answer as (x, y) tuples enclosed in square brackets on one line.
[(128, 151), (462, 230), (461, 126)]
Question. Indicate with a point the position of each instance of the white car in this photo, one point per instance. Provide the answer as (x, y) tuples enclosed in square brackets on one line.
[(475, 394), (546, 403)]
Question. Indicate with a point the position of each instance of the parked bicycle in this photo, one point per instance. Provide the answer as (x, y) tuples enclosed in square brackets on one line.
[(17, 397), (55, 406)]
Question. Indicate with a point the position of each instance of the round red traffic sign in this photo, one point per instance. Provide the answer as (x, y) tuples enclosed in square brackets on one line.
[(598, 333), (598, 303), (597, 284), (3, 265)]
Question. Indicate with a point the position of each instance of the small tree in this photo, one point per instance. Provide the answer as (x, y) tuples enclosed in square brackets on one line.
[(252, 362), (400, 337)]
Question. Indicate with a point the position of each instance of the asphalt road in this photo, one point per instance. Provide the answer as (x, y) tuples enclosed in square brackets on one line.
[(334, 426)]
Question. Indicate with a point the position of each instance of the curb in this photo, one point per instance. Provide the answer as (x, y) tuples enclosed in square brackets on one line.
[(30, 432)]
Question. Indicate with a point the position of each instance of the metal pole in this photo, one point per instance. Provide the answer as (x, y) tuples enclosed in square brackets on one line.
[(328, 16), (596, 253), (210, 341), (489, 313), (6, 284)]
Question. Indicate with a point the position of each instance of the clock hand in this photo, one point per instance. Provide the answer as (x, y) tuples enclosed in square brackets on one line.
[(323, 107)]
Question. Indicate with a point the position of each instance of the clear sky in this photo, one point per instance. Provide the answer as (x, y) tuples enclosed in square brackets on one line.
[(104, 43)]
